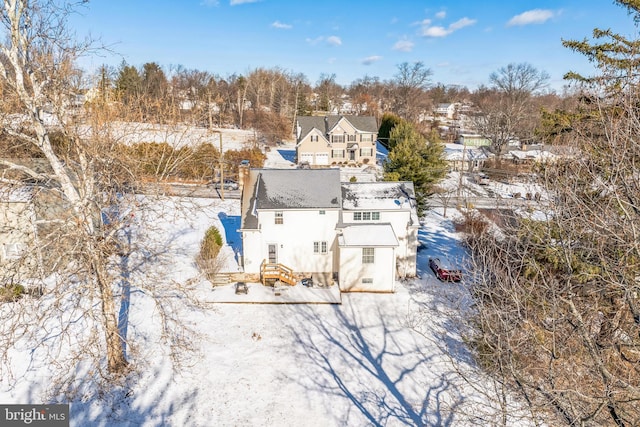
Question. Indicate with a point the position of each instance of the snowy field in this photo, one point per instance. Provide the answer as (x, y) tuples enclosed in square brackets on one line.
[(375, 359)]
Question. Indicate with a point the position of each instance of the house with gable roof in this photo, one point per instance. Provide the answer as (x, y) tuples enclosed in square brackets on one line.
[(331, 140), (307, 223)]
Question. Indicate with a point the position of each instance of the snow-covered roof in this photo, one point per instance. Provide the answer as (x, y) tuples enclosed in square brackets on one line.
[(11, 194), (362, 235), (381, 196), (456, 152), (533, 155)]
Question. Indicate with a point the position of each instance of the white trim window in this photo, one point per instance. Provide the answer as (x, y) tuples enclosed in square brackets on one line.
[(366, 137), (314, 138), (320, 248), (337, 138), (351, 138), (366, 216), (337, 154), (279, 218), (366, 152), (368, 255)]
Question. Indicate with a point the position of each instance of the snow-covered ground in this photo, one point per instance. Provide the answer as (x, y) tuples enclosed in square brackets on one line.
[(375, 359)]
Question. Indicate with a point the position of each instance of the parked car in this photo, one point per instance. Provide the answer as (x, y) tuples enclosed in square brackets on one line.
[(482, 179), (443, 273), (228, 185), (241, 288)]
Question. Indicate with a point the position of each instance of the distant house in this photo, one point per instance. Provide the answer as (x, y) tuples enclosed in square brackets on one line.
[(473, 140), (305, 221), (447, 110), (332, 140), (462, 158)]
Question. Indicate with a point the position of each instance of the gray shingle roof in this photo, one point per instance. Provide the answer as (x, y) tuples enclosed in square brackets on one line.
[(289, 189), (326, 123)]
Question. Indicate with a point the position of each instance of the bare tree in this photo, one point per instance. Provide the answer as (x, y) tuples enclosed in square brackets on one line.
[(410, 83), (506, 108), (80, 184), (557, 299)]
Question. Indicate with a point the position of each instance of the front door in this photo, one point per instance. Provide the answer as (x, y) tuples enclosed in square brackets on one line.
[(273, 253), (352, 154)]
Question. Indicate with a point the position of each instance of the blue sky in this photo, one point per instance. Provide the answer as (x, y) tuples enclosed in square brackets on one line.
[(462, 41)]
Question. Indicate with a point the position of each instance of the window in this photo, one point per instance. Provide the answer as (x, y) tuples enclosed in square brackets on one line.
[(320, 247), (366, 216), (314, 138), (351, 138), (367, 281), (366, 137), (337, 138), (279, 218), (368, 256), (366, 152), (339, 154), (322, 212)]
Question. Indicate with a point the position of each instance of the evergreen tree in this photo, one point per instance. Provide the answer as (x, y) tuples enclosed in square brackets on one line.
[(414, 158), (128, 83), (387, 123)]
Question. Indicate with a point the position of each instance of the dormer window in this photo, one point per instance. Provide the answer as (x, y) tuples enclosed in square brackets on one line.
[(314, 138)]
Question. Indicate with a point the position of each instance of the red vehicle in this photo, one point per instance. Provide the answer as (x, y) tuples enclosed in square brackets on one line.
[(442, 273)]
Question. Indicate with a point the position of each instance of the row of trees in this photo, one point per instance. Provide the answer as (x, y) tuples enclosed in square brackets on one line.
[(269, 100)]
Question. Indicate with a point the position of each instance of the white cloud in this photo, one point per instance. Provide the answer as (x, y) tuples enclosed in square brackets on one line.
[(281, 26), (535, 16), (314, 41), (371, 59), (436, 31), (334, 40), (237, 2), (461, 23), (403, 45), (439, 31), (441, 15)]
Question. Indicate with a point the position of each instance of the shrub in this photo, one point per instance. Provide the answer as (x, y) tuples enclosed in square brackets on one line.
[(353, 179), (11, 292), (472, 223), (211, 243), (207, 259)]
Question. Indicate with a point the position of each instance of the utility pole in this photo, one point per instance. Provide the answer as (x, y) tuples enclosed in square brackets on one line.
[(220, 164)]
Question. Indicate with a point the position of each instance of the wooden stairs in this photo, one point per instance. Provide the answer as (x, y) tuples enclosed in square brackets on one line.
[(276, 272)]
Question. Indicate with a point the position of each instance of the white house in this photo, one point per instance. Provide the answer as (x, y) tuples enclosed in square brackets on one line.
[(362, 235)]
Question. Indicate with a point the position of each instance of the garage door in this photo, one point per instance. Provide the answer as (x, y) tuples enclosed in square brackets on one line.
[(322, 159), (305, 157)]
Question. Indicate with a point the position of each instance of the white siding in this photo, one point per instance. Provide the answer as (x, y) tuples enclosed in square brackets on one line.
[(294, 237), (352, 270)]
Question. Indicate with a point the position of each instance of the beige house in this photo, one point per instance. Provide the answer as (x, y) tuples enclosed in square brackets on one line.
[(336, 140)]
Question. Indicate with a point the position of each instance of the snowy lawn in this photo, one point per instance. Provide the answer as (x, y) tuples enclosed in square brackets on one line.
[(375, 359)]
